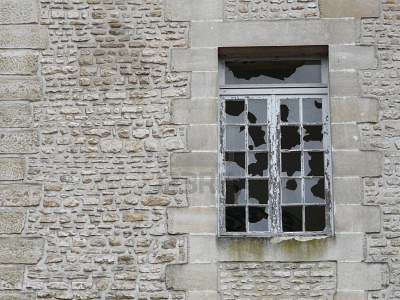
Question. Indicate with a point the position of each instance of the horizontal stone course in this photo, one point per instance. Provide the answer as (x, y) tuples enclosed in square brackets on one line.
[(12, 168), (19, 11), (20, 88), (14, 115), (23, 37), (19, 141)]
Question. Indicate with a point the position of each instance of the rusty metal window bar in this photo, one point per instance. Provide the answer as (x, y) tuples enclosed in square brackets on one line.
[(275, 160)]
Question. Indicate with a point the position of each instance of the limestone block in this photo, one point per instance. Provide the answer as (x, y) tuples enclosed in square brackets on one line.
[(19, 11), (198, 59), (203, 137), (15, 115), (18, 63), (192, 220), (344, 57), (345, 136), (357, 218), (194, 164), (269, 33), (354, 110), (20, 250), (111, 146), (12, 168), (356, 163), (11, 277), (21, 141), (12, 220), (193, 10), (20, 195), (196, 246), (349, 8), (192, 277), (23, 37), (204, 85), (203, 111), (350, 295), (20, 88), (347, 190), (201, 295), (359, 276), (344, 84), (17, 296), (202, 191)]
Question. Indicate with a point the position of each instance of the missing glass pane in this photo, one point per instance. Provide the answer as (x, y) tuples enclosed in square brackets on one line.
[(258, 191), (258, 164), (314, 163), (313, 137), (315, 218), (314, 190), (235, 164), (258, 218), (291, 191), (290, 137), (235, 219), (235, 191), (234, 112), (292, 217), (258, 138), (291, 164)]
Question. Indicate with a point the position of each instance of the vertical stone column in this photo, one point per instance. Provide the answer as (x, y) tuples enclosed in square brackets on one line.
[(20, 39)]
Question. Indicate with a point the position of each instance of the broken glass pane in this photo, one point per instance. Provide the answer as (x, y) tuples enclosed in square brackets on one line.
[(292, 218), (258, 218), (234, 112), (235, 164), (258, 138), (290, 137), (314, 163), (235, 137), (291, 164), (312, 111), (273, 72), (313, 137), (314, 190), (258, 191), (257, 111), (290, 110), (235, 219), (291, 191), (315, 218), (258, 164), (235, 191)]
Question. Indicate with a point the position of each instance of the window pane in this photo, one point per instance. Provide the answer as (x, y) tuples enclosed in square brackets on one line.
[(313, 137), (290, 137), (312, 111), (273, 72), (290, 110), (291, 191), (235, 164), (257, 111), (314, 163), (258, 218), (258, 191), (234, 112), (235, 219), (314, 190), (258, 138), (291, 164), (235, 191), (258, 164), (292, 217), (235, 137), (315, 218)]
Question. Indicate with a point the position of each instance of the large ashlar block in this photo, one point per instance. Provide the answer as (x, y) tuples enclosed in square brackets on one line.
[(203, 137), (20, 88), (347, 190), (201, 295), (15, 115), (192, 220), (357, 110), (17, 296), (204, 84), (344, 84), (350, 8), (20, 250), (269, 33), (193, 10), (349, 295), (359, 276), (12, 195), (203, 111), (19, 11), (23, 37), (356, 163), (357, 218), (196, 246), (12, 168), (345, 57), (202, 191), (192, 277), (198, 59), (194, 164), (11, 220), (21, 141), (18, 63), (11, 277), (345, 136)]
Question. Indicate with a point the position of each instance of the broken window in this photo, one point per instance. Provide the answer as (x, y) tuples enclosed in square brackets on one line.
[(275, 148)]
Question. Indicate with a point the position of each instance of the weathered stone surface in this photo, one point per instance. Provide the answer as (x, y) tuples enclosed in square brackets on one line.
[(202, 191), (345, 136), (201, 295), (203, 137), (194, 164), (350, 8), (204, 85), (349, 275), (357, 218), (197, 59), (344, 84), (12, 220), (192, 10), (20, 88), (190, 112), (23, 37), (17, 296), (192, 277), (12, 168), (353, 163), (350, 295), (192, 220), (135, 216), (19, 11), (20, 195), (18, 63), (11, 277), (133, 146), (354, 110), (347, 190), (111, 146), (15, 115), (346, 57), (20, 250), (24, 141), (156, 201)]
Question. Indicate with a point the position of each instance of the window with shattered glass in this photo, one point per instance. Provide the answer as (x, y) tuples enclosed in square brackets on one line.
[(275, 163)]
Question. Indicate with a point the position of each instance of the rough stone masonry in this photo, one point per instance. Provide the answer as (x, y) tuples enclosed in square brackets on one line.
[(108, 118)]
